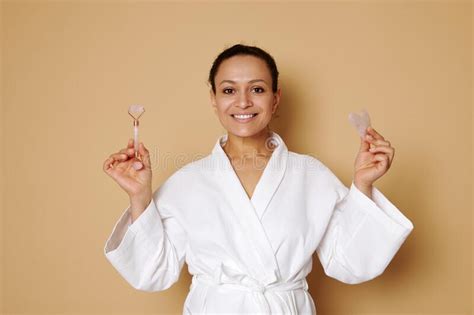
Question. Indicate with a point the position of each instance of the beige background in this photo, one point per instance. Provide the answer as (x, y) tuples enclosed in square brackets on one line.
[(71, 69)]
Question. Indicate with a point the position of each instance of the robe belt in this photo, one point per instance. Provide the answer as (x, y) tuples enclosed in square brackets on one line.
[(257, 289)]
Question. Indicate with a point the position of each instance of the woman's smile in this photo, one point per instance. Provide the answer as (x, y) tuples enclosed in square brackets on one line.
[(244, 118)]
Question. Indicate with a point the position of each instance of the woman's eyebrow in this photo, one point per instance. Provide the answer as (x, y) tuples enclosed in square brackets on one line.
[(251, 81)]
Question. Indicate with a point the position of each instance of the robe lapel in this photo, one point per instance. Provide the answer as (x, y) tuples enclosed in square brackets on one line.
[(271, 177), (248, 212)]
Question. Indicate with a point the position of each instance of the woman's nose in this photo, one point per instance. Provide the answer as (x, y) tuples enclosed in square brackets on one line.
[(244, 100)]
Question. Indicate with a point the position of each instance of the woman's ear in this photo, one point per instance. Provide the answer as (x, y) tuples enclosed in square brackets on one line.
[(213, 100), (213, 97), (276, 102)]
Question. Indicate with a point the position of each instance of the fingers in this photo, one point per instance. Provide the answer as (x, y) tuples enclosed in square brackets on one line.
[(118, 156), (113, 160), (145, 155), (389, 152), (371, 131), (126, 153), (107, 165), (368, 139), (383, 146), (129, 150), (364, 145), (382, 149), (385, 154), (137, 165), (144, 158), (377, 142), (382, 158)]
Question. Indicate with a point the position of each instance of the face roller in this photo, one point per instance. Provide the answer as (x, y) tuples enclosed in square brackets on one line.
[(136, 111)]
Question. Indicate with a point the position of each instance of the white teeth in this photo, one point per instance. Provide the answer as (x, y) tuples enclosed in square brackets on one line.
[(244, 116)]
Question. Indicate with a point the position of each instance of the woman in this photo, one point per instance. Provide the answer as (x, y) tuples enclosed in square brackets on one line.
[(248, 217)]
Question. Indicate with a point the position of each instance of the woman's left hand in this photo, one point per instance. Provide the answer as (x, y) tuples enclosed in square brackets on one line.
[(372, 163)]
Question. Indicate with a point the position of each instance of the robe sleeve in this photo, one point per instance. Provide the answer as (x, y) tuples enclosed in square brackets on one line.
[(363, 234), (149, 254)]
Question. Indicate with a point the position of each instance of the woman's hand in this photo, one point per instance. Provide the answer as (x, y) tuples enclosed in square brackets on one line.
[(372, 163), (132, 174)]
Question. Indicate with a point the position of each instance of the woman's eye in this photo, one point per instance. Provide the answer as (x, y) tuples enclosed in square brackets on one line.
[(230, 90)]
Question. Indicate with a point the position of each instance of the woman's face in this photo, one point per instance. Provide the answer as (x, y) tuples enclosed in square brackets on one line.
[(244, 86)]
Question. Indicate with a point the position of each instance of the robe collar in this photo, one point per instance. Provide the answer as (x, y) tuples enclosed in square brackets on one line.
[(249, 211), (271, 176)]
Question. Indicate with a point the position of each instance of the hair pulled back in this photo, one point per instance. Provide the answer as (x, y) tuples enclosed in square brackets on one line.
[(240, 49)]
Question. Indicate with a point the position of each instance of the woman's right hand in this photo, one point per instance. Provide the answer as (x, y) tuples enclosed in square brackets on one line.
[(132, 174)]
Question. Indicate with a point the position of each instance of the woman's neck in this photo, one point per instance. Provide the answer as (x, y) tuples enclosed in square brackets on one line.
[(241, 148)]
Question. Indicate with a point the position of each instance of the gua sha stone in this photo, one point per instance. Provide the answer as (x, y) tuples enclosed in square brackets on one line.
[(360, 121)]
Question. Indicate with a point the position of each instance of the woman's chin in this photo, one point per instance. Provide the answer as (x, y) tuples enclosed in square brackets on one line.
[(245, 131)]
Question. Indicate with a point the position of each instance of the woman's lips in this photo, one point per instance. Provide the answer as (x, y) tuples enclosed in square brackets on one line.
[(245, 120)]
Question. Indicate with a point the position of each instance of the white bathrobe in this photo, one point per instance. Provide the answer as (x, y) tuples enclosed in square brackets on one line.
[(252, 256)]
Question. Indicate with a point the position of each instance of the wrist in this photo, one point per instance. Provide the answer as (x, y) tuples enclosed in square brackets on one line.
[(139, 204), (362, 185), (366, 189)]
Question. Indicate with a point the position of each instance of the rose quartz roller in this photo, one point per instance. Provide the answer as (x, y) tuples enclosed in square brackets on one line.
[(136, 111)]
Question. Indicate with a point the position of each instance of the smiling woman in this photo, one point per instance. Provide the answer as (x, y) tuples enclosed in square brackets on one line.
[(248, 233), (246, 96)]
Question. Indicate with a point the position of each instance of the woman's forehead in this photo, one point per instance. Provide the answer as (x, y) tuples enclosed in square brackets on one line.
[(243, 68)]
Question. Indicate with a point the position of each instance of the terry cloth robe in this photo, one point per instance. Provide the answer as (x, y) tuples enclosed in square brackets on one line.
[(252, 255)]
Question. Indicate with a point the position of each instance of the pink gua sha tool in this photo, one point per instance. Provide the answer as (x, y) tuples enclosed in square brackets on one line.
[(360, 121), (136, 111)]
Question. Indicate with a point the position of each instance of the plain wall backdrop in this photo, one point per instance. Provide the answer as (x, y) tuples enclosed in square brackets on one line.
[(70, 69)]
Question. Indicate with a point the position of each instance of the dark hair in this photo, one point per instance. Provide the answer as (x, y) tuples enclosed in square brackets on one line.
[(240, 49)]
